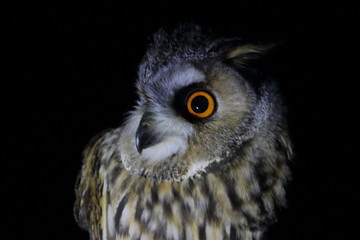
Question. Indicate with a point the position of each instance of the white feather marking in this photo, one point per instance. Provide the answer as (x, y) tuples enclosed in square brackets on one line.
[(209, 232), (145, 215), (126, 215), (227, 229), (134, 230), (197, 168), (168, 147), (153, 225), (187, 76), (188, 233), (202, 204), (172, 232), (104, 206), (110, 221), (145, 237), (257, 235)]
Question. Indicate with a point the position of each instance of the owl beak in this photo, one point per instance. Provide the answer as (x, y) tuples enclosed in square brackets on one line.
[(145, 135)]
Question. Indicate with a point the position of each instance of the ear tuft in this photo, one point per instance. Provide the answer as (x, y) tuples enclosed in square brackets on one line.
[(240, 54)]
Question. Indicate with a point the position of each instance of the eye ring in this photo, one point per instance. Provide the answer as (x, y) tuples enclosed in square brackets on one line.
[(200, 104)]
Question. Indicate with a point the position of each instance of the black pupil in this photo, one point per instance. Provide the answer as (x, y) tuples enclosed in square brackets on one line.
[(199, 104)]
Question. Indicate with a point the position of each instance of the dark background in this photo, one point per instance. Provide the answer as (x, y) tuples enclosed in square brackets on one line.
[(69, 73)]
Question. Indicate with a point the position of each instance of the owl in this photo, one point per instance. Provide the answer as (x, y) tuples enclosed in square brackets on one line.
[(203, 154)]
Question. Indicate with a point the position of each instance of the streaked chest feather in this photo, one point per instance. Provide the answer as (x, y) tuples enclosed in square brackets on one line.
[(214, 206)]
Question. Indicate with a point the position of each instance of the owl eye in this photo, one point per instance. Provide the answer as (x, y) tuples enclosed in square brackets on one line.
[(200, 104)]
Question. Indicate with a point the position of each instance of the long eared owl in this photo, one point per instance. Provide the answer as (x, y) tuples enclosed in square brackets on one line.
[(203, 154)]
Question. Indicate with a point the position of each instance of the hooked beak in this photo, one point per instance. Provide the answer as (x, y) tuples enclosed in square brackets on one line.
[(145, 135)]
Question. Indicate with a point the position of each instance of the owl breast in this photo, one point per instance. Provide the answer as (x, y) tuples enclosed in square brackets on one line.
[(230, 201)]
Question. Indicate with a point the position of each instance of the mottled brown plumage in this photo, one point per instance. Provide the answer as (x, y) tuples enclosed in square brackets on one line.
[(168, 174)]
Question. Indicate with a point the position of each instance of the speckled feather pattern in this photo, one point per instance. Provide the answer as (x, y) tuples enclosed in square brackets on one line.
[(221, 178), (232, 201)]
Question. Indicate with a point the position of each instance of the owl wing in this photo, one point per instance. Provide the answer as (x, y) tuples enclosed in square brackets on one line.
[(91, 195)]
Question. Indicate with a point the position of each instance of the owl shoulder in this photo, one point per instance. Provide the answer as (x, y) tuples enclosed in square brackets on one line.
[(90, 180)]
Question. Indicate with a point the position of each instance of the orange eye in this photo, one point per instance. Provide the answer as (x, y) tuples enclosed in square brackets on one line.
[(201, 104)]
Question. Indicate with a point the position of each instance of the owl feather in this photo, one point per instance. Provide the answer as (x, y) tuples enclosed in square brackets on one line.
[(203, 155)]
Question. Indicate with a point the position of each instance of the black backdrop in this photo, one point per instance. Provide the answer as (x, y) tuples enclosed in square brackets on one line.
[(69, 73)]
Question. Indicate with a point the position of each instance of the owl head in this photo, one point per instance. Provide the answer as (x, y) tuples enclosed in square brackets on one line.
[(199, 108)]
